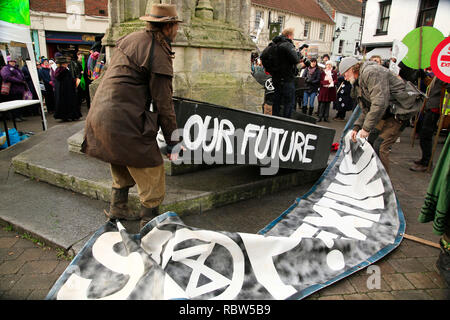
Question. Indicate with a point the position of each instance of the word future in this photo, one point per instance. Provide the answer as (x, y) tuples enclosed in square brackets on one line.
[(284, 145)]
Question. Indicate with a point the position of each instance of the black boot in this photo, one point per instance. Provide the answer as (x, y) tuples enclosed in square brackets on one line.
[(310, 111), (147, 214), (118, 208), (304, 110)]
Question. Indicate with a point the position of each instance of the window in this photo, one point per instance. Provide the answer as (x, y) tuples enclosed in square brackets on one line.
[(322, 32), (356, 48), (344, 22), (341, 46), (258, 16), (306, 30), (281, 22), (383, 21), (427, 12)]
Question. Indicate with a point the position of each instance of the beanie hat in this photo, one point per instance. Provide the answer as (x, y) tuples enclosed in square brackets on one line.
[(9, 58), (347, 63)]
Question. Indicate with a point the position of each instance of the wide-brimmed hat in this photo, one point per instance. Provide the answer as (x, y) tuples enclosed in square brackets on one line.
[(162, 13), (61, 59)]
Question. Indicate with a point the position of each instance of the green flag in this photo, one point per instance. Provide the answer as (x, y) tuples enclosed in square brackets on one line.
[(15, 11)]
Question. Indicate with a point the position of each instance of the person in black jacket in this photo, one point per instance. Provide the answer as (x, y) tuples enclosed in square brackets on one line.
[(284, 76), (313, 83)]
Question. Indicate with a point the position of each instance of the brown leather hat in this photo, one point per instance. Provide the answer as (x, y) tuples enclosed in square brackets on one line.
[(162, 13)]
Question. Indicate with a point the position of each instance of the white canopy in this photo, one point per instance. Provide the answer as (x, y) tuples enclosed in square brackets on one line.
[(19, 33)]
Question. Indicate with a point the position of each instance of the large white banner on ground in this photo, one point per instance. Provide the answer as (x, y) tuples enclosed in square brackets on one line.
[(348, 220)]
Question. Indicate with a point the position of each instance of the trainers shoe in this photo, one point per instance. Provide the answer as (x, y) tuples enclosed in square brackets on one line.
[(418, 168)]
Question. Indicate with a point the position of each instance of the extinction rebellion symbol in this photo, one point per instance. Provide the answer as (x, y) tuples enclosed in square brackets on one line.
[(440, 60)]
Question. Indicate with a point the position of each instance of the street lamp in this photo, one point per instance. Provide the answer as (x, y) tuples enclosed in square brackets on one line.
[(337, 33)]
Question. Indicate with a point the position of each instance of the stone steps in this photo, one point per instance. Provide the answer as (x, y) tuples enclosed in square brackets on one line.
[(51, 161)]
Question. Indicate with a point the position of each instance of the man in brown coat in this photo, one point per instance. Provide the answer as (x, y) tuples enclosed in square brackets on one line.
[(133, 100)]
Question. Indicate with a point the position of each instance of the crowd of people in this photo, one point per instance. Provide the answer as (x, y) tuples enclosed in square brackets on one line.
[(63, 81), (326, 82)]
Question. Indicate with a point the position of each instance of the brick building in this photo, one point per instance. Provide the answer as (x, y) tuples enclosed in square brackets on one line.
[(66, 25)]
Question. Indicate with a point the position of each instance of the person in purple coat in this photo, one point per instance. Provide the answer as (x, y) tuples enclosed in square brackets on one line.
[(12, 74)]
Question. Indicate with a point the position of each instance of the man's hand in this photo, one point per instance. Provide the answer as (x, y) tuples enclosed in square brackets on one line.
[(354, 133), (363, 134), (172, 153)]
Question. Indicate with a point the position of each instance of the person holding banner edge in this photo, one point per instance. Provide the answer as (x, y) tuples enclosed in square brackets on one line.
[(133, 100), (377, 90)]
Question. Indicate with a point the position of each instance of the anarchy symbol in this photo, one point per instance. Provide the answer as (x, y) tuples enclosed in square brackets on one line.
[(202, 252), (269, 85)]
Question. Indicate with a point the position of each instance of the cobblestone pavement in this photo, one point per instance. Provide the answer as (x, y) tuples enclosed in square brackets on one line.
[(28, 269)]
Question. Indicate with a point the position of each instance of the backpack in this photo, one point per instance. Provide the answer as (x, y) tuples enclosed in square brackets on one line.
[(407, 102), (269, 57)]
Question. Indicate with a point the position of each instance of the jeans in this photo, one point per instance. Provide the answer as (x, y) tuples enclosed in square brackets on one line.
[(311, 96), (284, 95)]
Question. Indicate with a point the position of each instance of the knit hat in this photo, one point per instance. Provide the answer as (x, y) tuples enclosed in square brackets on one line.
[(9, 58), (346, 63)]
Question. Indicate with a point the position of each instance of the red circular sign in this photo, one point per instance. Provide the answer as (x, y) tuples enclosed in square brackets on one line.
[(440, 60)]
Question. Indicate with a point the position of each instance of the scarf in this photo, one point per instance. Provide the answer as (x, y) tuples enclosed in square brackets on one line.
[(311, 70)]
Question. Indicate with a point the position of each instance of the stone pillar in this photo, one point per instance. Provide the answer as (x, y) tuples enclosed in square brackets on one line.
[(213, 48), (204, 10)]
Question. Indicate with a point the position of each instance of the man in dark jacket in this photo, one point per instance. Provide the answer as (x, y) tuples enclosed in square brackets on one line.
[(284, 76), (430, 120), (133, 100)]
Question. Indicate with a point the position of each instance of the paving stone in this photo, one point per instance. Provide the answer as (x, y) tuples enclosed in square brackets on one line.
[(420, 250), (397, 281), (11, 267), (407, 265), (396, 254), (62, 265), (336, 297), (385, 267), (38, 294), (439, 294), (7, 242), (411, 295), (31, 254), (359, 282), (10, 253), (340, 287), (428, 262), (36, 282), (421, 281), (8, 281), (44, 266), (437, 278), (16, 294), (24, 243), (356, 296), (48, 254), (381, 295)]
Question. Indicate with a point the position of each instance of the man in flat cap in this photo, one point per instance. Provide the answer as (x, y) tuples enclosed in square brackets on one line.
[(134, 100), (377, 91)]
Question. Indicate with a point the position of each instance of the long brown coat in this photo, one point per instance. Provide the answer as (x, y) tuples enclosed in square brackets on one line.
[(120, 129)]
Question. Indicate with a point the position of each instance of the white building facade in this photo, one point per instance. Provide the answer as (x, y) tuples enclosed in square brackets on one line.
[(386, 21), (317, 32), (73, 27)]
